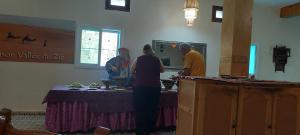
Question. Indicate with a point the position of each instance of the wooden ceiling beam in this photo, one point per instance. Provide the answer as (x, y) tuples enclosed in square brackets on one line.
[(290, 11)]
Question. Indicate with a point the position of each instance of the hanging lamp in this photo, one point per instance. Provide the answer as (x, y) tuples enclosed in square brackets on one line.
[(191, 8)]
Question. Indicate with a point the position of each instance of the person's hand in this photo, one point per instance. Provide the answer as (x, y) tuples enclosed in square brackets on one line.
[(113, 68), (175, 78), (180, 73)]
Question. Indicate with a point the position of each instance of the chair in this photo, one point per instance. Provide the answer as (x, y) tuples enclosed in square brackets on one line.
[(102, 131), (7, 129)]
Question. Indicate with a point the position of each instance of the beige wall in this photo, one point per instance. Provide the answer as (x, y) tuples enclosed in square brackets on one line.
[(270, 30), (24, 85)]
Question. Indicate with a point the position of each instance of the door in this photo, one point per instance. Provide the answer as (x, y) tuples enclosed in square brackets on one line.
[(254, 111), (286, 112), (220, 104)]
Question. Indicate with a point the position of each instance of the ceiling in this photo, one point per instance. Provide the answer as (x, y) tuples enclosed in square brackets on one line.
[(277, 3)]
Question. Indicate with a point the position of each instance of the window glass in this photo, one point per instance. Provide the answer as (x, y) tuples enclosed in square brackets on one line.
[(118, 2), (109, 45), (219, 14), (89, 50)]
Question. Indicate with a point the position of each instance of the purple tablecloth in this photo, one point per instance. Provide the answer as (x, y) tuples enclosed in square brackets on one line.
[(81, 110)]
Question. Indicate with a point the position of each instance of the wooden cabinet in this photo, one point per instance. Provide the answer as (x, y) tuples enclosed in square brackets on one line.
[(219, 110), (212, 107), (254, 113), (286, 112), (187, 108), (220, 107)]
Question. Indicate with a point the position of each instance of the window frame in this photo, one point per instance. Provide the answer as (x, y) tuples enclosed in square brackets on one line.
[(126, 8), (214, 11), (78, 39)]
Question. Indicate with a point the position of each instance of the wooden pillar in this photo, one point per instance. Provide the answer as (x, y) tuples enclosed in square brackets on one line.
[(236, 37)]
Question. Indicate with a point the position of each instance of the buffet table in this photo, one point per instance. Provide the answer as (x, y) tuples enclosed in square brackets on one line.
[(84, 109)]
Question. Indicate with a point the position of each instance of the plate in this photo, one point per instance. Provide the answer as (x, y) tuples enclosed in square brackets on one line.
[(74, 88), (119, 89)]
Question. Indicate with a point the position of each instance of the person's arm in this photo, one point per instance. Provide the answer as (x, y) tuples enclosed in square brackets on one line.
[(188, 61), (162, 69), (133, 67), (108, 66), (186, 72)]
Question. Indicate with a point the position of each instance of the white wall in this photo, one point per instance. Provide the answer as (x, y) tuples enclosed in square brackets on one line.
[(270, 30), (24, 85)]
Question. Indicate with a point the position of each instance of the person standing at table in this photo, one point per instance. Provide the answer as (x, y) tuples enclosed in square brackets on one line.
[(193, 63), (119, 66), (147, 69)]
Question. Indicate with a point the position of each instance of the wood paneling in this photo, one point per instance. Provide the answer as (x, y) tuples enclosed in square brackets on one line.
[(186, 108), (290, 11), (286, 112), (254, 114), (220, 108)]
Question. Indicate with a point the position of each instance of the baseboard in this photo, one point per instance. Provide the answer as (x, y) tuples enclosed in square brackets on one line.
[(28, 113)]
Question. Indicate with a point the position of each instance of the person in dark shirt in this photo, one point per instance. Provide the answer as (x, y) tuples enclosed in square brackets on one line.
[(147, 69)]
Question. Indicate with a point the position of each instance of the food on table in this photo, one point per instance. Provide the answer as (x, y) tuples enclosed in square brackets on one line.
[(168, 83), (75, 85), (95, 85)]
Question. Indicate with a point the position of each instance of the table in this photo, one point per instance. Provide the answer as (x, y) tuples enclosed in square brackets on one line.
[(82, 110)]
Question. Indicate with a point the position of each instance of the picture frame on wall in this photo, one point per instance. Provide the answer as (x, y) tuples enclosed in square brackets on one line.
[(120, 5), (217, 14)]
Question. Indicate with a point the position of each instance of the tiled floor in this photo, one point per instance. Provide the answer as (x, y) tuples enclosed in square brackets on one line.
[(37, 122)]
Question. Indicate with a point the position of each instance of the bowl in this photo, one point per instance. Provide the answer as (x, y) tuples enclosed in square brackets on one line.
[(168, 83), (106, 83)]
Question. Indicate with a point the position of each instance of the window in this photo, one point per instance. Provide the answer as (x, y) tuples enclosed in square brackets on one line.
[(252, 61), (89, 50), (217, 14), (110, 44), (121, 5), (96, 52)]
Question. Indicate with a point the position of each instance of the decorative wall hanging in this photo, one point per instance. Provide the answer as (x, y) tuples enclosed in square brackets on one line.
[(280, 57), (24, 43)]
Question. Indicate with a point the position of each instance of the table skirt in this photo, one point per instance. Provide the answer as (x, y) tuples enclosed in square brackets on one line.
[(76, 117)]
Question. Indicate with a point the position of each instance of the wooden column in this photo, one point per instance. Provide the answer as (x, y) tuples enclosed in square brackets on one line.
[(236, 37)]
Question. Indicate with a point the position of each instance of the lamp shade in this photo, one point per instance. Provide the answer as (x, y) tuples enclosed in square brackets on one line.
[(191, 8)]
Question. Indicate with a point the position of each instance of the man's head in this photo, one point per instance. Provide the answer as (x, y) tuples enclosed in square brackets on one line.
[(123, 52), (147, 49), (185, 48)]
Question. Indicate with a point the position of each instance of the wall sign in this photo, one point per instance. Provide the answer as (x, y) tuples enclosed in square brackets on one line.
[(280, 57), (24, 43)]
